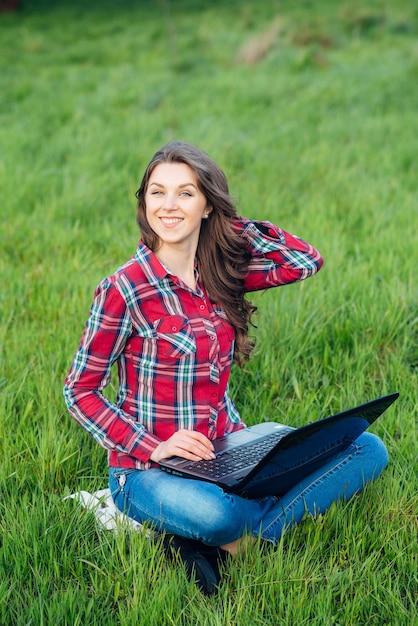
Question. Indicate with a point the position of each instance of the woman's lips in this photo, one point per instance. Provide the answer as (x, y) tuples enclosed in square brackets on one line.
[(171, 222)]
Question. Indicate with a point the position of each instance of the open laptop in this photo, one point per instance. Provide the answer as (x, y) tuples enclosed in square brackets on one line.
[(241, 455)]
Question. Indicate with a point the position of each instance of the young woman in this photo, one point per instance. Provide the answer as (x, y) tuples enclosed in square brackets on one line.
[(174, 318)]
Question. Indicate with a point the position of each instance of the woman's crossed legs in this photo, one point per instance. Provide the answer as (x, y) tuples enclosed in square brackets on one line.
[(203, 511)]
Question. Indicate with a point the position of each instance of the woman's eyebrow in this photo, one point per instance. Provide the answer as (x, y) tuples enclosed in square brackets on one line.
[(180, 186)]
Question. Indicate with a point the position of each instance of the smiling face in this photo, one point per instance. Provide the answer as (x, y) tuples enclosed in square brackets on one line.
[(175, 206)]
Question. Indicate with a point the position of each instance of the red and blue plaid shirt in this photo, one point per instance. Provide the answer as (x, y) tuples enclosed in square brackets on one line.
[(173, 348)]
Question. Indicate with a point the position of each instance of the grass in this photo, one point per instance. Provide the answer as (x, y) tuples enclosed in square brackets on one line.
[(316, 130)]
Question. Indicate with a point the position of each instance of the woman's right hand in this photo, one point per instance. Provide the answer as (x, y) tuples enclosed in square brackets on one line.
[(187, 444)]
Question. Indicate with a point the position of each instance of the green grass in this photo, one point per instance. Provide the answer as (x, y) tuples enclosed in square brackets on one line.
[(316, 133)]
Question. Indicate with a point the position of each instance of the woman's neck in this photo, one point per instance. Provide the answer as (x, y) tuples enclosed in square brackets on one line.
[(180, 264)]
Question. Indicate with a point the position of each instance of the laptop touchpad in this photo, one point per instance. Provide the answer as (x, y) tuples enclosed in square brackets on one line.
[(234, 439)]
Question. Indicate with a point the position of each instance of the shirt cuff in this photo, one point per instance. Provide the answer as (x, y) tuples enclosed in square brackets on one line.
[(261, 237)]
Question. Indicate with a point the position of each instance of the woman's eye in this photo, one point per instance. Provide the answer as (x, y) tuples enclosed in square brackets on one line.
[(187, 194), (156, 193)]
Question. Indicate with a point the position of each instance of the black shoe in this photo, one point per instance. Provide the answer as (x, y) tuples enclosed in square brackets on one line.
[(216, 556), (201, 562)]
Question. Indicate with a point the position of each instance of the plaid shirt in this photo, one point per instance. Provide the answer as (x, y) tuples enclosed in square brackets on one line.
[(173, 348)]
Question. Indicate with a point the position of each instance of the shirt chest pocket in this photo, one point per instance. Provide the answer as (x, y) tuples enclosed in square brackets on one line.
[(224, 322), (175, 337)]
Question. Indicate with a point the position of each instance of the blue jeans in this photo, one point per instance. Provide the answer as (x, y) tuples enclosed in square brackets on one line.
[(203, 511)]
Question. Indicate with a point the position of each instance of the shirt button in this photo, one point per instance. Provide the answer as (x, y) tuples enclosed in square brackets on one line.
[(202, 307), (174, 328), (212, 338)]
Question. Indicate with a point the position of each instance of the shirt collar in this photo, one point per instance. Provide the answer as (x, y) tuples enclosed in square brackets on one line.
[(151, 265), (154, 270)]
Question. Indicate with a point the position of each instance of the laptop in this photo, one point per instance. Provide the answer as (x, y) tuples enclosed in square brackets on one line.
[(241, 455)]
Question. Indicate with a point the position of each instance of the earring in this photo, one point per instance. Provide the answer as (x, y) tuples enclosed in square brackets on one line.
[(205, 217)]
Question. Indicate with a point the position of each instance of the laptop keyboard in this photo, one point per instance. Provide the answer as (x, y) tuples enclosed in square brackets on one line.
[(242, 456)]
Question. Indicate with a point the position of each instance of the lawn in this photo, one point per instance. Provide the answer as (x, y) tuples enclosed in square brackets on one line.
[(311, 110)]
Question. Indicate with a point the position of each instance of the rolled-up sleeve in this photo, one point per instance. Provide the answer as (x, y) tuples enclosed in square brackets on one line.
[(277, 257)]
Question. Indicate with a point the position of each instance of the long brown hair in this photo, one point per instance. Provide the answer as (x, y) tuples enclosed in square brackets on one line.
[(221, 254)]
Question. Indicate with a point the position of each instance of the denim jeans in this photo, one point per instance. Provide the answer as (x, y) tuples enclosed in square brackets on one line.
[(203, 511)]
